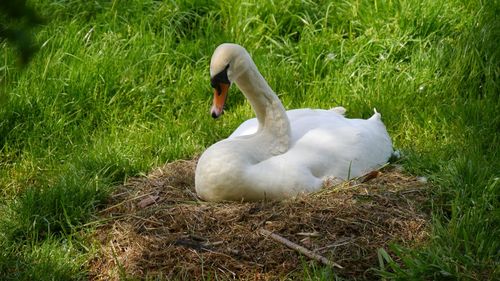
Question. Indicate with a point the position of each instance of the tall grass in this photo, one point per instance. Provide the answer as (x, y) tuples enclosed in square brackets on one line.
[(118, 88)]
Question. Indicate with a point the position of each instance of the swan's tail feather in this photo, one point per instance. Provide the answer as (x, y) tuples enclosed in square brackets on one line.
[(376, 115), (339, 109)]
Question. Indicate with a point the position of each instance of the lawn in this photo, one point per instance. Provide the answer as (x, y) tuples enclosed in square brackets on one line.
[(118, 88)]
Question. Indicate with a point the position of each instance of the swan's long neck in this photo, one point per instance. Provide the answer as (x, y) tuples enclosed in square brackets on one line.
[(274, 126)]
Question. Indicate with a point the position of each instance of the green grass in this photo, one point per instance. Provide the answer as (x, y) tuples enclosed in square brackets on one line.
[(120, 87)]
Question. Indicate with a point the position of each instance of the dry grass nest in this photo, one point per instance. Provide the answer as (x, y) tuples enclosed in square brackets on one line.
[(156, 227)]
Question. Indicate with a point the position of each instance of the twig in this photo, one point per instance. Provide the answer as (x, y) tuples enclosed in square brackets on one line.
[(309, 234), (340, 242), (306, 252), (123, 202)]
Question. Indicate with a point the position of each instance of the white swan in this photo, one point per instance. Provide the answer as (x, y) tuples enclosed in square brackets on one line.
[(281, 153)]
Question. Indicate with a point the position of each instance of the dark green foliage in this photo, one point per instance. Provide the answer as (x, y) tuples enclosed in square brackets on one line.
[(17, 20)]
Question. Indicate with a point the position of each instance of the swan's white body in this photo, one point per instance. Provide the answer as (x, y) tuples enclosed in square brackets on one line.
[(282, 153)]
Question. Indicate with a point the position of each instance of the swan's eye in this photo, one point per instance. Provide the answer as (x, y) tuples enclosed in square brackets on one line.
[(216, 86), (213, 83)]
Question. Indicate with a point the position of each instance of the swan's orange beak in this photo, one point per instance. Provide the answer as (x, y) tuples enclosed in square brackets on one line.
[(220, 95)]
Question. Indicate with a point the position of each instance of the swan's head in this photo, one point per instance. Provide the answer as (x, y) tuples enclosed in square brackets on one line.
[(228, 62)]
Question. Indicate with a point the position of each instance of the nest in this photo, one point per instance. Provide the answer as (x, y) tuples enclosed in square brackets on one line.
[(155, 227)]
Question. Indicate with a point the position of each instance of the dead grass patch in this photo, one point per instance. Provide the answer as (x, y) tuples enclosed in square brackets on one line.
[(155, 227)]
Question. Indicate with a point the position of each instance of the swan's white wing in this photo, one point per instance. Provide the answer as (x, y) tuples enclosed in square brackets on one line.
[(328, 144), (246, 128), (250, 126)]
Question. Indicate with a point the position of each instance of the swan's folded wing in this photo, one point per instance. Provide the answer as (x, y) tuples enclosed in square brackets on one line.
[(344, 148), (327, 152), (299, 118), (248, 127)]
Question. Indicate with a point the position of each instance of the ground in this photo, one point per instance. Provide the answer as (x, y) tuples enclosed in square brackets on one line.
[(156, 227)]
